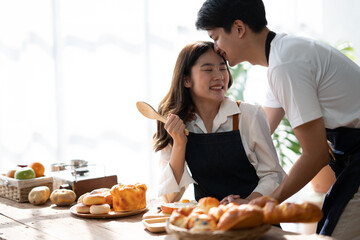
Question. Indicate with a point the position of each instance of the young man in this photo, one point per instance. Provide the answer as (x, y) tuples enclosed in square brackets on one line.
[(316, 86)]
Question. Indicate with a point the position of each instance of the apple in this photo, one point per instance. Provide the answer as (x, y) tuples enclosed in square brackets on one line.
[(25, 173)]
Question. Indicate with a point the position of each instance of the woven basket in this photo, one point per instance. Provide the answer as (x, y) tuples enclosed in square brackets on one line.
[(18, 190), (238, 234)]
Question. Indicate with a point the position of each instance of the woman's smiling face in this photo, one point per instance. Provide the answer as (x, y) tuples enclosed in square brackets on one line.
[(209, 78)]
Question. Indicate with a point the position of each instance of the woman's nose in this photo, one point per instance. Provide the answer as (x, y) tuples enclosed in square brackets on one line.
[(219, 74)]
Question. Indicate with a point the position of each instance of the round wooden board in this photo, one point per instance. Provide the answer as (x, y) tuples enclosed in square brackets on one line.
[(111, 214)]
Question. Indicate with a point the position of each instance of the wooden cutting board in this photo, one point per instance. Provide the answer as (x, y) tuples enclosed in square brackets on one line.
[(155, 213), (155, 224)]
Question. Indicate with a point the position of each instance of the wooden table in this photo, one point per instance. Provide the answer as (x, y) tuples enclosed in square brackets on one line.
[(26, 221)]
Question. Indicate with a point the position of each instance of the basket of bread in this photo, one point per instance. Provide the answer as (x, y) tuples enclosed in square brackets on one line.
[(212, 220), (121, 200)]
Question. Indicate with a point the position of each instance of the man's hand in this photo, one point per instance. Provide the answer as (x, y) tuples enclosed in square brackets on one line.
[(234, 199)]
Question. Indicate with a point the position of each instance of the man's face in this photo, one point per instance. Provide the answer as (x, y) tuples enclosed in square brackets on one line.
[(226, 44)]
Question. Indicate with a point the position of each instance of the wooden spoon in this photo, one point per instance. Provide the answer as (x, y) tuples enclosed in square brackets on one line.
[(149, 112)]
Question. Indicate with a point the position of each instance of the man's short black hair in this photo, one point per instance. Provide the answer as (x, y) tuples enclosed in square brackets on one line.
[(223, 13)]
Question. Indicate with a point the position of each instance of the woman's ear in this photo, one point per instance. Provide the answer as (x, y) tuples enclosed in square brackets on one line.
[(187, 82)]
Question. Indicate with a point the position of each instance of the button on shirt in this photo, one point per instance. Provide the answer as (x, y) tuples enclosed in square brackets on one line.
[(257, 142)]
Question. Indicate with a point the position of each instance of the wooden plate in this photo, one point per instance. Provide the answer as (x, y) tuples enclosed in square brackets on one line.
[(111, 214)]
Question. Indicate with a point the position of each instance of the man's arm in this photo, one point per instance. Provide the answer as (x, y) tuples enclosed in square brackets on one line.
[(274, 115), (315, 155)]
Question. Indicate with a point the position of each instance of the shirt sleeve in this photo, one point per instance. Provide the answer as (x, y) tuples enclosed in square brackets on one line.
[(263, 155), (270, 100), (295, 87), (169, 189)]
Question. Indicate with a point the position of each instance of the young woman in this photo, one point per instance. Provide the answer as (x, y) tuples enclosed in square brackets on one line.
[(229, 150)]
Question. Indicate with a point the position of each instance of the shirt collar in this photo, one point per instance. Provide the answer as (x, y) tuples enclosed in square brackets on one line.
[(228, 107)]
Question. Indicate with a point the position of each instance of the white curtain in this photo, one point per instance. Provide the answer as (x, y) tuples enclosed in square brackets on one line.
[(72, 71)]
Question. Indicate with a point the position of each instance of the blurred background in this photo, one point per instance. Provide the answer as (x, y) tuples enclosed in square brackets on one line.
[(72, 71)]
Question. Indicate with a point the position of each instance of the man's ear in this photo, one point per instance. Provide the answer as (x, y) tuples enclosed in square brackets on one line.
[(187, 82), (239, 28)]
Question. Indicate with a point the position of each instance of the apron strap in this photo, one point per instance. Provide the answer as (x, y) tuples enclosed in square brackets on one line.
[(236, 118)]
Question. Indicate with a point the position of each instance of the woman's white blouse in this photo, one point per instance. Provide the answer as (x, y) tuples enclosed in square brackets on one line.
[(256, 139)]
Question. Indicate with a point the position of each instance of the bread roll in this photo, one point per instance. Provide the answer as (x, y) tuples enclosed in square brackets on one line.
[(208, 202), (203, 222), (192, 217), (178, 219), (82, 208), (63, 197), (100, 209), (94, 198), (217, 212), (81, 198), (100, 191)]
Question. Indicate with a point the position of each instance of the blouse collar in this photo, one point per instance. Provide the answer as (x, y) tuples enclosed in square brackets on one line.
[(228, 107)]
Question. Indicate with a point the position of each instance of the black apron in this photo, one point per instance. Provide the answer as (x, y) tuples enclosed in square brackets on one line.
[(218, 163), (346, 165)]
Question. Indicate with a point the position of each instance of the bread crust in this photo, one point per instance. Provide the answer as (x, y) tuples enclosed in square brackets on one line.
[(243, 216), (287, 212), (93, 199)]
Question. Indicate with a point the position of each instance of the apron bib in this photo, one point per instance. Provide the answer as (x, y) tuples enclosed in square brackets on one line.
[(346, 165), (218, 163)]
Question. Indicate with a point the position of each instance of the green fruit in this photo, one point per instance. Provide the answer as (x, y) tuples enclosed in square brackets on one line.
[(24, 173)]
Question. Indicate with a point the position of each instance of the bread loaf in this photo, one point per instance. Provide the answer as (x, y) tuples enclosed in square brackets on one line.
[(128, 197), (287, 212), (243, 216), (291, 212)]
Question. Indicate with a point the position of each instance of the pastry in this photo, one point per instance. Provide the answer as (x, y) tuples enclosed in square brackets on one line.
[(82, 208), (128, 197), (208, 202), (94, 198), (178, 219), (243, 216), (63, 197), (100, 209), (203, 222), (291, 212)]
